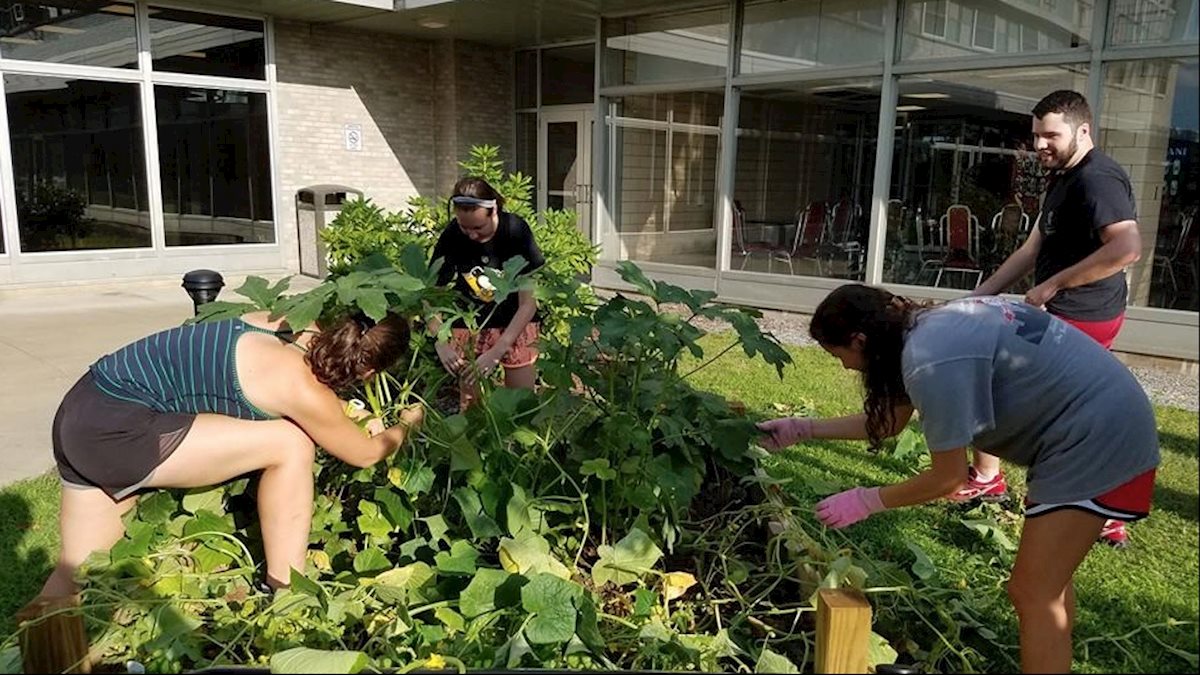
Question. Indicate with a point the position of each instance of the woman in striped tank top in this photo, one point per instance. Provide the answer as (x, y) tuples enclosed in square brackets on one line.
[(202, 404)]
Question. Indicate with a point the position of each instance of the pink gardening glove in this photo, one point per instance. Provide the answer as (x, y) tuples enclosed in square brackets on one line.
[(785, 431), (849, 507)]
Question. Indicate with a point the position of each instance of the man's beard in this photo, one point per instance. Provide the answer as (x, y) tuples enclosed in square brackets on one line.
[(1058, 160)]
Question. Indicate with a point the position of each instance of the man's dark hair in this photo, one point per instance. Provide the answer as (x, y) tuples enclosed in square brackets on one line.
[(1071, 104)]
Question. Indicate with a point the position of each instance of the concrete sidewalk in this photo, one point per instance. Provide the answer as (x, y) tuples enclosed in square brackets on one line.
[(48, 338)]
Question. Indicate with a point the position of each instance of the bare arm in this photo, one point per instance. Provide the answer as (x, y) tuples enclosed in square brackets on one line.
[(854, 427), (526, 308), (1016, 266), (946, 475), (321, 414)]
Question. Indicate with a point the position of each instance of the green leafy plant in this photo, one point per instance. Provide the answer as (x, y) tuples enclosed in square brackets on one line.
[(362, 230)]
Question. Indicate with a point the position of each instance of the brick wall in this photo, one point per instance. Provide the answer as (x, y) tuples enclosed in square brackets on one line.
[(474, 97), (421, 106)]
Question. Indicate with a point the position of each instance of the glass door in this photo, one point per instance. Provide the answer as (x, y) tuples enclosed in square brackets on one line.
[(564, 162)]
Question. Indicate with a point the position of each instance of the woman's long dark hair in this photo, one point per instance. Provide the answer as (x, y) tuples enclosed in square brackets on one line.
[(341, 355), (882, 319)]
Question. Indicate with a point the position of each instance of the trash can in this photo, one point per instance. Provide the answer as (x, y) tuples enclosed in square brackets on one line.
[(316, 207)]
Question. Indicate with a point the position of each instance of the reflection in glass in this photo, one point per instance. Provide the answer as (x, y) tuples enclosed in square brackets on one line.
[(1150, 126), (183, 41), (666, 48), (526, 144), (802, 187), (526, 79), (799, 34), (215, 166), (87, 33), (955, 28), (664, 169), (1138, 22), (966, 186), (78, 163), (568, 74)]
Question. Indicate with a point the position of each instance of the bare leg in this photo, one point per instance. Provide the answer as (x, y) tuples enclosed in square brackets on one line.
[(88, 520), (985, 465), (1052, 547), (218, 448)]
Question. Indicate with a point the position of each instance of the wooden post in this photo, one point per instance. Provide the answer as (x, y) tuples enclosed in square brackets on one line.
[(843, 629), (55, 640)]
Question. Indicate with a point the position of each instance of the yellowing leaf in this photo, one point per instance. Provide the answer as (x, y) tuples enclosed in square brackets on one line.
[(320, 560), (396, 476), (675, 584)]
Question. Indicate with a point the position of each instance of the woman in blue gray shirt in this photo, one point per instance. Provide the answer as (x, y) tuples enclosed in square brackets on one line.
[(1010, 380), (201, 404)]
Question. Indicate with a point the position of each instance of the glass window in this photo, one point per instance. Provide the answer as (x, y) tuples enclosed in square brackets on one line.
[(802, 183), (526, 79), (1133, 22), (568, 75), (664, 174), (183, 41), (798, 34), (966, 185), (78, 163), (88, 33), (985, 30), (1149, 125), (945, 29), (665, 48), (215, 165), (526, 142)]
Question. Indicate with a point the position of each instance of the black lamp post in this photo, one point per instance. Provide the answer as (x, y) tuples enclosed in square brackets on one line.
[(202, 286)]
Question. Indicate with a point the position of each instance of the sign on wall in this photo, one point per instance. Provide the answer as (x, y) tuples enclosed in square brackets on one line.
[(353, 136)]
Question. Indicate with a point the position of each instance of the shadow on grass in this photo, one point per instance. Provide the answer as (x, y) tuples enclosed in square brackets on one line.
[(23, 572), (1181, 445)]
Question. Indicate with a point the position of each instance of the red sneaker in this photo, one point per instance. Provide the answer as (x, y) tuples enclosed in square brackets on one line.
[(1114, 534), (993, 490)]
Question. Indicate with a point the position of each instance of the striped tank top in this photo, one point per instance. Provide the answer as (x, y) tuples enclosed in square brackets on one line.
[(189, 369)]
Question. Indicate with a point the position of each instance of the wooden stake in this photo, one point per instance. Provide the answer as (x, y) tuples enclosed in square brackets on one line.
[(843, 629), (55, 640)]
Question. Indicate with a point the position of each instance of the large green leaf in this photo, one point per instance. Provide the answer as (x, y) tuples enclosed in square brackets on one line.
[(392, 504), (481, 524), (772, 662), (210, 499), (522, 517), (551, 603), (371, 520), (460, 559), (261, 293), (305, 660), (626, 562), (157, 508), (879, 650), (207, 521), (402, 584), (990, 531), (923, 567), (371, 560), (530, 555), (490, 589), (302, 310)]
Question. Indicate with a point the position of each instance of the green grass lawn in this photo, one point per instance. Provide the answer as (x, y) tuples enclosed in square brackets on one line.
[(1126, 598)]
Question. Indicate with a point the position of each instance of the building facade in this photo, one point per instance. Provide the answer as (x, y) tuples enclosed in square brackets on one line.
[(767, 150)]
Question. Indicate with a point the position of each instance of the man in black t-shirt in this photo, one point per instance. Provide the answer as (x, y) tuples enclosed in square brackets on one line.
[(481, 237), (1085, 237)]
